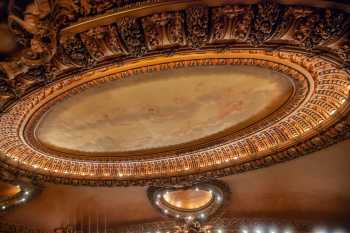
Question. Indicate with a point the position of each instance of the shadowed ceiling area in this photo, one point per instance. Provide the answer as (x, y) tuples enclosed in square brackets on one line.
[(313, 187)]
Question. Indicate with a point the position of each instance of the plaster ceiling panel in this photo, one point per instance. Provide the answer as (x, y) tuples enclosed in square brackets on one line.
[(164, 108)]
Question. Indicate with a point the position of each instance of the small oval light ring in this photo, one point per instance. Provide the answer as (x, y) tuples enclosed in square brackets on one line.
[(199, 201)]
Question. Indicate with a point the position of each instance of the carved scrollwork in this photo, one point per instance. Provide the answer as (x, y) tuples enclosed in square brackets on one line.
[(265, 22), (34, 77), (113, 41), (197, 20), (43, 41), (6, 90), (164, 30), (74, 48), (313, 28), (40, 42), (65, 12), (103, 42), (331, 27), (306, 20), (132, 34), (93, 41), (231, 23)]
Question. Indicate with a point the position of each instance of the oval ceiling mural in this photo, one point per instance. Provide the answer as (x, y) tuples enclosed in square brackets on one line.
[(164, 108)]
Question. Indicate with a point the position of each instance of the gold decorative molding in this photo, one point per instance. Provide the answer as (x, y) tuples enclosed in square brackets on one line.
[(318, 103), (309, 44)]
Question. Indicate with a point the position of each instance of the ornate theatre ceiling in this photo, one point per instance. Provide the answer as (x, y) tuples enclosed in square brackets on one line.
[(111, 93)]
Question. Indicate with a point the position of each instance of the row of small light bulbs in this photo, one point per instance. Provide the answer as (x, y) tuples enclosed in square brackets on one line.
[(120, 174), (271, 230), (260, 229)]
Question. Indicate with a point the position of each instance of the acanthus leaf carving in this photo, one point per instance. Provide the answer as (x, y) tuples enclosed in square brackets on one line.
[(197, 20), (39, 43), (65, 12), (330, 28), (36, 21), (113, 41), (132, 35), (306, 19), (163, 30), (74, 48), (231, 23), (6, 90), (32, 78), (92, 40), (265, 22), (103, 42)]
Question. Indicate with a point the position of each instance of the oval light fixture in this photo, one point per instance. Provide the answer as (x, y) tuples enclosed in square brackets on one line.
[(197, 202)]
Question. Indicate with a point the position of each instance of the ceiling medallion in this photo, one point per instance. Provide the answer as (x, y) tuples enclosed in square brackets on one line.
[(194, 203), (95, 60)]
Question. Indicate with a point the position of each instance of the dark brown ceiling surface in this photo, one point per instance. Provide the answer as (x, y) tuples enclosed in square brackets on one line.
[(314, 187)]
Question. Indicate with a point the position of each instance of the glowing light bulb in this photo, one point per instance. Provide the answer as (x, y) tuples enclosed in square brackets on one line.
[(258, 230)]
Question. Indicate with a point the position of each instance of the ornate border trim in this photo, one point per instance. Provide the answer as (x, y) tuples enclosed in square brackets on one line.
[(327, 103), (299, 79)]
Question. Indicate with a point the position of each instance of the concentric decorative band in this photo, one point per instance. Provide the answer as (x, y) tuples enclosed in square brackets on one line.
[(299, 79), (320, 98)]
